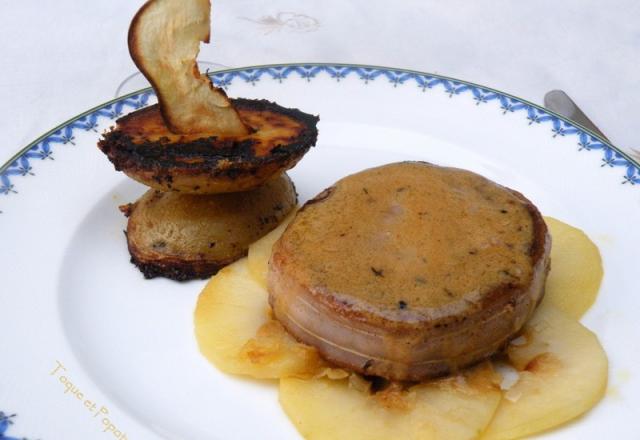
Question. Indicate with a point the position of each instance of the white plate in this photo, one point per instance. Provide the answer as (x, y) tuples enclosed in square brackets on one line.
[(70, 296)]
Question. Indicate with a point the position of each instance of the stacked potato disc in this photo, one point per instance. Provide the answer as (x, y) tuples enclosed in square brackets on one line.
[(215, 165)]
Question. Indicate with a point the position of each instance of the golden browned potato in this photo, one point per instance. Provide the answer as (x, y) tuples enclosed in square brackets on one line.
[(563, 373), (185, 236), (576, 269), (143, 147), (197, 140)]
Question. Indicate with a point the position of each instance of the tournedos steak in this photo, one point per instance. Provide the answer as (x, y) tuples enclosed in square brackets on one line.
[(410, 270)]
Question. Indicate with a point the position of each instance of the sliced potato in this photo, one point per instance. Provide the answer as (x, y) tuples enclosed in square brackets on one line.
[(459, 407), (563, 373), (260, 252), (576, 269), (562, 370), (235, 332), (185, 236), (164, 40)]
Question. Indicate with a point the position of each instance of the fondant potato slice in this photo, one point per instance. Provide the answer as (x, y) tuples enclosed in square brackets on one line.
[(576, 269), (260, 252), (235, 332), (563, 374), (459, 407)]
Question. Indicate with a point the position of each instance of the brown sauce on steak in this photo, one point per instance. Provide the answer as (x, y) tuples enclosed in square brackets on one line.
[(410, 267)]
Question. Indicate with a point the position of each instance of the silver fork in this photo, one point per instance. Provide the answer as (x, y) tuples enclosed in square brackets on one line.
[(559, 102)]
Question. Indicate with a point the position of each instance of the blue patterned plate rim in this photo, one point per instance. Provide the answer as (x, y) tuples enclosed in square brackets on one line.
[(613, 155), (509, 103)]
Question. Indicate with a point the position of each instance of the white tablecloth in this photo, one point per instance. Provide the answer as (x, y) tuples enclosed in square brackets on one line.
[(61, 57)]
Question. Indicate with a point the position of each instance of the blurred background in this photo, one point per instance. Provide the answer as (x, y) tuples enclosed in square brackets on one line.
[(62, 57)]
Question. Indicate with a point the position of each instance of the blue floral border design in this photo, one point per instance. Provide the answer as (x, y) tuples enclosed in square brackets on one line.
[(42, 149), (6, 420)]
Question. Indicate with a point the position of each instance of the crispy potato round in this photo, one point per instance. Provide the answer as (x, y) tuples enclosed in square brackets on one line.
[(576, 269), (186, 236), (143, 147), (188, 100), (563, 373)]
